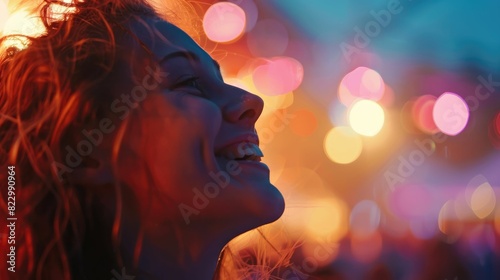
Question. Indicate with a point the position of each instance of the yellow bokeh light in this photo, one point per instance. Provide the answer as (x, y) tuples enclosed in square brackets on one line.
[(327, 220), (483, 200), (22, 23), (342, 145), (366, 117), (4, 15)]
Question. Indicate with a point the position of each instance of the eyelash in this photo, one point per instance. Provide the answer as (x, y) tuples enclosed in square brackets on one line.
[(191, 82)]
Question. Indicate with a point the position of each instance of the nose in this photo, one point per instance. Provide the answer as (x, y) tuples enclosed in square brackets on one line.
[(243, 107)]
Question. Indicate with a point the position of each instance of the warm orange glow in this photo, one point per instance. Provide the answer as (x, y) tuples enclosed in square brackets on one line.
[(4, 15), (304, 123), (327, 219), (22, 23), (319, 253)]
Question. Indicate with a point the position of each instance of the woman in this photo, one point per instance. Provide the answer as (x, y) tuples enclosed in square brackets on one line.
[(132, 156)]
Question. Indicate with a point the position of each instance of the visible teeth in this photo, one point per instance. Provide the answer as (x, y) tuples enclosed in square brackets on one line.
[(243, 149)]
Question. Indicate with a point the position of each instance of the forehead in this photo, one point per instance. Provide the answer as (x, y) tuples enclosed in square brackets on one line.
[(163, 38)]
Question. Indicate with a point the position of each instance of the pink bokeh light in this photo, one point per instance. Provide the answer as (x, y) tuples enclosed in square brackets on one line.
[(224, 22), (450, 113), (422, 114), (363, 83), (278, 76)]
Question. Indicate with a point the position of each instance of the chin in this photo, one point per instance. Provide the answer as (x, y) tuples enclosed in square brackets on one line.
[(268, 205)]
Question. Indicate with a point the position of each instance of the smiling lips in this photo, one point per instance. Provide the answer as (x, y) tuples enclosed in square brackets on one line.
[(242, 151)]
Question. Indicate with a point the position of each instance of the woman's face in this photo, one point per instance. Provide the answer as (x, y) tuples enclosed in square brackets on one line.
[(190, 152)]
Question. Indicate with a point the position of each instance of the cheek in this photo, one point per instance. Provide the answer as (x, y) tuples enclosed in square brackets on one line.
[(202, 114), (185, 114), (165, 137)]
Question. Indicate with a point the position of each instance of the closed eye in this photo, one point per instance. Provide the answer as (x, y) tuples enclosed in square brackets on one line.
[(190, 84)]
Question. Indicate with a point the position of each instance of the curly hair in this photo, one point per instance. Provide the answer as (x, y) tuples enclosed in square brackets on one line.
[(59, 83), (47, 91)]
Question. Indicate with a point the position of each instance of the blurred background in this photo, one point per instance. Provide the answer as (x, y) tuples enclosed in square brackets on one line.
[(381, 128)]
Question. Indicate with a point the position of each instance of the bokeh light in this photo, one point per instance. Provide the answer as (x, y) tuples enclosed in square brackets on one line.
[(366, 117), (224, 22), (480, 196), (363, 83), (327, 220), (365, 218), (23, 23), (59, 12), (4, 14), (268, 38), (251, 12), (448, 221), (462, 207), (342, 145), (450, 113), (410, 202), (483, 200), (278, 76), (422, 113)]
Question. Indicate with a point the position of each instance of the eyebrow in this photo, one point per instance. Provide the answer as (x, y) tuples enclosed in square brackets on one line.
[(188, 55)]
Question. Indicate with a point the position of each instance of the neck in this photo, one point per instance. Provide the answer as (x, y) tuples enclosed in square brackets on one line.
[(166, 253)]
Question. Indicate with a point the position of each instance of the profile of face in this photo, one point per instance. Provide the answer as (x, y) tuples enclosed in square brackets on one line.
[(190, 152)]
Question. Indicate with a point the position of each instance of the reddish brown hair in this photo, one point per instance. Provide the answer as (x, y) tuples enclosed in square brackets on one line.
[(48, 89)]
